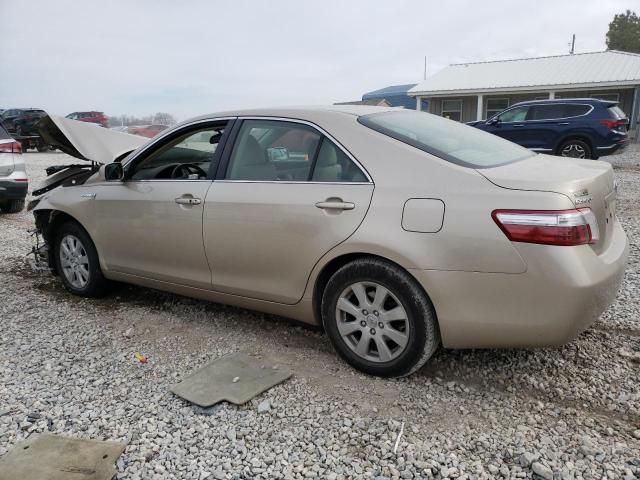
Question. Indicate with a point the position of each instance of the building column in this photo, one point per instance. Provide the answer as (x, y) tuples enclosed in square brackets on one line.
[(418, 103), (479, 112), (635, 113), (552, 95)]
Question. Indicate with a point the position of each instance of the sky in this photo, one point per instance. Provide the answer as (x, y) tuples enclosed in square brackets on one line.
[(191, 57)]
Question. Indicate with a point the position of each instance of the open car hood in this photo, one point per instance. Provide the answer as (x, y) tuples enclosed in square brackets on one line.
[(87, 141)]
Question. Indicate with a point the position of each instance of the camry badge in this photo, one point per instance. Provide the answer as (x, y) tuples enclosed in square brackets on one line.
[(582, 198)]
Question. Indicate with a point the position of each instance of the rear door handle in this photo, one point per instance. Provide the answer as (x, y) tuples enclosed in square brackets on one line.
[(563, 123), (188, 201), (336, 205), (519, 125)]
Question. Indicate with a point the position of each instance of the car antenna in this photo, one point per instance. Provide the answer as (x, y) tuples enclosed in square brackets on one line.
[(573, 44)]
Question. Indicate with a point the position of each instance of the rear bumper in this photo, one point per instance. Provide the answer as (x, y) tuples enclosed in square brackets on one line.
[(12, 190), (563, 291), (612, 149)]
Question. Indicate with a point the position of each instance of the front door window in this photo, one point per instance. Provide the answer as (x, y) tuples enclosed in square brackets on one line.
[(518, 114), (190, 156)]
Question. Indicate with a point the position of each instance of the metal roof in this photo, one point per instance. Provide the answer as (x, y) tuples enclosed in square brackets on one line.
[(390, 90), (594, 69), (395, 95)]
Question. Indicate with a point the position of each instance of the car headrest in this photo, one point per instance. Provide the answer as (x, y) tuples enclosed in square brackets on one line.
[(215, 138), (329, 157), (251, 152)]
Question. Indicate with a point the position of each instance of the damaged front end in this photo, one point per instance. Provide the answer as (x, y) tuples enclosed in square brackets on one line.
[(94, 145), (62, 176), (39, 251)]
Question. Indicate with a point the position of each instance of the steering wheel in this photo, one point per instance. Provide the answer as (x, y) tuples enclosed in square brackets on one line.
[(183, 170)]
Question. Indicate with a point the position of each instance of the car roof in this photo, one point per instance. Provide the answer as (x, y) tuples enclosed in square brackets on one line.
[(308, 113), (566, 100), (299, 112)]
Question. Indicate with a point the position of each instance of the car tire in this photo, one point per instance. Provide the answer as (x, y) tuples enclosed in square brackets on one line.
[(575, 148), (77, 262), (367, 296), (42, 147), (12, 206)]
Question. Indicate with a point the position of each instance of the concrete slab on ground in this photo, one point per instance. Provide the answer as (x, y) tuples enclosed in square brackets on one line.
[(53, 457), (235, 378)]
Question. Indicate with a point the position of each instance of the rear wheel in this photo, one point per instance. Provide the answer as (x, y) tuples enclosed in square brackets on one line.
[(42, 147), (77, 262), (575, 149), (12, 206), (379, 319)]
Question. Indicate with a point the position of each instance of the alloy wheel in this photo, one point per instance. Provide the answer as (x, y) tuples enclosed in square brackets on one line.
[(74, 261), (573, 150), (372, 322)]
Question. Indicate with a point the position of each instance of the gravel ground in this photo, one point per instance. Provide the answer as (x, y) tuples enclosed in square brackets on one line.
[(67, 366)]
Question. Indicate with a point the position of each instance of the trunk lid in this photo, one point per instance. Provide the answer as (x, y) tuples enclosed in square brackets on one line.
[(587, 183)]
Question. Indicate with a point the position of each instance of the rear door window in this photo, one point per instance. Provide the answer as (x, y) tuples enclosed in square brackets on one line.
[(3, 134), (557, 111), (270, 150), (333, 165)]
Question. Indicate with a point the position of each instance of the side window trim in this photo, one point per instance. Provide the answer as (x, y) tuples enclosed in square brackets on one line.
[(314, 161), (233, 137), (168, 136), (228, 147)]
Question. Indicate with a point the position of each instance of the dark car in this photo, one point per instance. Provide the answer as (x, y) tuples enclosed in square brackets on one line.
[(14, 182), (21, 122), (92, 117), (577, 127)]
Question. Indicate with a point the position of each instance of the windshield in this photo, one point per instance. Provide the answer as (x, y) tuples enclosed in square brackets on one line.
[(452, 141)]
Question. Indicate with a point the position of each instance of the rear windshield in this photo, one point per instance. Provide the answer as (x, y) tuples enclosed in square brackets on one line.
[(617, 112), (452, 141)]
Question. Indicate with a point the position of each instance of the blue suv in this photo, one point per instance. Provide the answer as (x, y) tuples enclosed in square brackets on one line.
[(576, 127)]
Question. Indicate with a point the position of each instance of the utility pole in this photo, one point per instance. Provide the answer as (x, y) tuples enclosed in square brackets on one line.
[(573, 43), (425, 68)]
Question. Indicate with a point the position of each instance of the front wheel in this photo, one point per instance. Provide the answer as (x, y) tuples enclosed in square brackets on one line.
[(575, 149), (77, 262), (379, 319)]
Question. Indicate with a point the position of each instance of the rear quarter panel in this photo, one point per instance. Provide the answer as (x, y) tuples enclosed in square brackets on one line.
[(469, 240)]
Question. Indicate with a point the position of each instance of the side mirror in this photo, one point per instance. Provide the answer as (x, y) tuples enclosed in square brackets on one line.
[(494, 121), (113, 172)]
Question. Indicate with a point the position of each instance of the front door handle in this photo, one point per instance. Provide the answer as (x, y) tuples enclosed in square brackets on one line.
[(519, 125), (563, 123), (336, 205), (188, 201)]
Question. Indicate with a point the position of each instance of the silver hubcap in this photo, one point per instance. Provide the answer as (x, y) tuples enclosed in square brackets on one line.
[(372, 322), (74, 261), (574, 150)]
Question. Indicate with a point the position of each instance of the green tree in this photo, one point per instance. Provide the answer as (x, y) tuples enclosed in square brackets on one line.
[(624, 32)]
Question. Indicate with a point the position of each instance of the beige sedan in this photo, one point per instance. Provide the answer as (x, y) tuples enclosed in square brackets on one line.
[(395, 230)]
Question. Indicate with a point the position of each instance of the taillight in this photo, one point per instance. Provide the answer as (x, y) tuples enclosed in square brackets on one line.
[(613, 124), (11, 147), (549, 227)]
